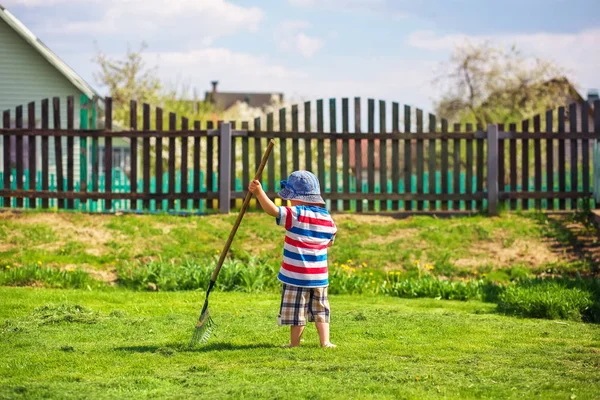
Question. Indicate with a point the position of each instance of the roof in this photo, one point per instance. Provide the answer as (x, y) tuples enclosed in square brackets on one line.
[(45, 52), (226, 100)]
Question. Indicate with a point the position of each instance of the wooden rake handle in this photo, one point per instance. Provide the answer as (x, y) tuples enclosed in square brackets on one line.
[(259, 172)]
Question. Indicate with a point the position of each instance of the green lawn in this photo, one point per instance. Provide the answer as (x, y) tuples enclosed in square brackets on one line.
[(133, 345)]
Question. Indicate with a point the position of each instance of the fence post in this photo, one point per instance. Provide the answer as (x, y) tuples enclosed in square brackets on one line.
[(224, 167), (492, 175)]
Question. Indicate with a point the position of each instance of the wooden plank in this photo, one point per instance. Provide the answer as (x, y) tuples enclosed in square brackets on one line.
[(537, 161), (525, 164), (210, 142), (535, 195), (333, 151), (271, 162), (307, 141), (431, 167), (456, 169), (444, 164), (58, 154), (95, 156), (501, 161), (358, 154), (346, 152), (383, 177), (45, 150), (480, 161), (133, 154), (550, 159), (320, 146), (6, 147), (198, 156), (469, 167), (420, 158), (171, 164), (108, 150), (70, 150), (158, 154), (513, 165), (245, 158), (283, 158), (184, 163), (233, 166), (147, 158), (408, 206), (395, 153), (574, 161), (295, 142), (562, 162), (19, 153), (257, 152), (83, 147), (492, 171), (371, 152), (32, 153), (585, 148)]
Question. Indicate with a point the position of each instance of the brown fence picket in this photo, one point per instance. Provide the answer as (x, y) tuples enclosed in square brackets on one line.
[(573, 149), (383, 180), (537, 160), (307, 141), (525, 163), (184, 165), (333, 152), (585, 148), (133, 154), (346, 151), (146, 157), (562, 154), (431, 168), (158, 154), (283, 158), (549, 159), (70, 150), (481, 167), (197, 157), (19, 153), (444, 161), (320, 146), (295, 142), (32, 153), (108, 152), (395, 143), (513, 166), (370, 152), (469, 167), (271, 161), (420, 158), (456, 168), (233, 166), (245, 158), (408, 206), (210, 140), (257, 152), (45, 149), (58, 151), (501, 161), (171, 172), (6, 146), (358, 153)]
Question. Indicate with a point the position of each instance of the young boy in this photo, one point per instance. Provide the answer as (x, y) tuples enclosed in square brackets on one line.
[(309, 232)]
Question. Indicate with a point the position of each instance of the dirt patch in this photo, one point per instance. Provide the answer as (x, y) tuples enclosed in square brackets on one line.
[(394, 235), (109, 276), (6, 247), (530, 253)]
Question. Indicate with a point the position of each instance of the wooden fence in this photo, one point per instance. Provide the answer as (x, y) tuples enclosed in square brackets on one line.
[(401, 161)]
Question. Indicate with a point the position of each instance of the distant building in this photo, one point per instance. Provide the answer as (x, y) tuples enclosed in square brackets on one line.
[(226, 100)]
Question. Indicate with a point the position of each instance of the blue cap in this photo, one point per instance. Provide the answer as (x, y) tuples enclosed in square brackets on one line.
[(301, 186)]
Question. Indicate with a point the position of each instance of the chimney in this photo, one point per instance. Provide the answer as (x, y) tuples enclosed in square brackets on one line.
[(214, 86), (592, 95)]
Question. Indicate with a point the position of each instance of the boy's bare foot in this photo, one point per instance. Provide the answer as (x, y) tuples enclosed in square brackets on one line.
[(329, 346)]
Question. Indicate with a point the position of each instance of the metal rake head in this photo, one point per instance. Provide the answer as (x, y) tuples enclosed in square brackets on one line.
[(203, 329)]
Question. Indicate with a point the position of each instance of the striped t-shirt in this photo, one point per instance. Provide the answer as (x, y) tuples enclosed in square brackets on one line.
[(309, 232)]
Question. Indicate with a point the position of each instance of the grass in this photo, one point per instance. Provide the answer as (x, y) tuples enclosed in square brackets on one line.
[(118, 343), (454, 247)]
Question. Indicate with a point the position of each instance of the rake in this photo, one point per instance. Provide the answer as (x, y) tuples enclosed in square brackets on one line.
[(206, 325)]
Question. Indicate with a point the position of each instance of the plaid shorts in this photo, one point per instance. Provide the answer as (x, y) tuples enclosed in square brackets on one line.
[(299, 302)]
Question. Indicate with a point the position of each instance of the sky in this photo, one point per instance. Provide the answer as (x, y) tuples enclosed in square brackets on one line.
[(383, 49)]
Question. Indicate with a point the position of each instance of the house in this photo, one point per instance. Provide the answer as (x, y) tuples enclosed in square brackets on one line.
[(225, 100), (30, 72)]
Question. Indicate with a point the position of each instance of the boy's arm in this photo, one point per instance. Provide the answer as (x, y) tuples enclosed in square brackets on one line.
[(266, 203)]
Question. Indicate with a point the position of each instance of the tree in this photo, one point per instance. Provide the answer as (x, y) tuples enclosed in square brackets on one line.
[(485, 84)]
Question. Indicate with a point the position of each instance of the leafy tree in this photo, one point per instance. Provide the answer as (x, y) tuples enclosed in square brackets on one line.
[(485, 84)]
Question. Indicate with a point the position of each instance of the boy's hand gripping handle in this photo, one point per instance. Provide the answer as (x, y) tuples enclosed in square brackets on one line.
[(261, 167)]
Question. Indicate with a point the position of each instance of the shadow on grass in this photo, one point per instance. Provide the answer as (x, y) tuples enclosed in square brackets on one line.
[(171, 348)]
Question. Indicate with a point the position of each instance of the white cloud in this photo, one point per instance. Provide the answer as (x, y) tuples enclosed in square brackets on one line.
[(389, 8), (572, 51), (292, 39), (213, 18)]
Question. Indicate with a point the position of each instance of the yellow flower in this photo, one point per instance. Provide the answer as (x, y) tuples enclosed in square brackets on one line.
[(417, 378), (352, 269), (39, 263), (483, 274), (416, 261), (370, 274), (429, 266), (8, 267), (364, 265), (372, 281), (349, 261)]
